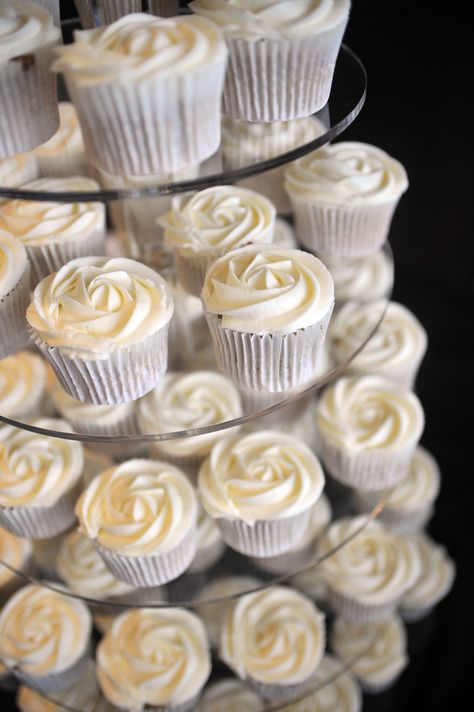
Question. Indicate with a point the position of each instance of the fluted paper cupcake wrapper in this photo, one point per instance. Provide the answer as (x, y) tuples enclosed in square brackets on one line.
[(271, 362), (191, 270), (266, 537), (14, 334), (404, 521), (157, 125), (85, 12), (278, 692), (153, 570), (111, 10), (272, 79), (57, 681), (164, 8), (206, 557), (124, 375), (62, 165), (356, 612), (29, 115)]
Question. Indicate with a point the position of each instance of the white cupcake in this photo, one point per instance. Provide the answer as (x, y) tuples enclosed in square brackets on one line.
[(344, 196), (369, 428), (103, 325), (210, 546), (337, 690), (230, 695), (149, 72), (361, 279), (14, 294), (16, 170), (260, 489), (23, 380), (17, 553), (40, 480), (281, 54), (63, 155), (268, 310), (27, 39), (45, 637), (251, 641)]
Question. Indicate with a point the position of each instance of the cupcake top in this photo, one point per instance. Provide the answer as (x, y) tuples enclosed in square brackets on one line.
[(24, 28), (98, 305), (438, 571), (67, 138), (347, 173), (43, 632), (35, 222), (186, 401), (139, 507), (275, 636), (339, 691), (16, 170), (140, 46), (369, 413), (15, 552), (13, 262), (374, 567), (261, 289), (229, 695), (218, 219), (22, 383), (379, 649), (420, 486), (153, 657), (82, 569), (254, 19), (362, 279), (36, 470), (87, 413), (264, 475)]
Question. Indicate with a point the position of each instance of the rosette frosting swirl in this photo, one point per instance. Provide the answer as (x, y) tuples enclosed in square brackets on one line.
[(24, 27), (275, 636), (97, 305), (13, 261), (43, 632), (436, 578), (229, 695), (36, 470), (342, 694), (370, 413), (13, 551), (22, 383), (374, 567), (16, 170), (139, 507), (420, 486), (67, 138), (265, 475), (268, 289), (362, 279), (153, 657), (347, 173)]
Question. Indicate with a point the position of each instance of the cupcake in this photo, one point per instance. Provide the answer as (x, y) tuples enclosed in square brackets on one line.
[(39, 480), (367, 568), (54, 233), (154, 658), (63, 155), (210, 223), (361, 279), (183, 402), (28, 39), (103, 325), (16, 170), (141, 516), (17, 553), (230, 695), (376, 652), (210, 546), (22, 385), (251, 641), (396, 349), (369, 428), (268, 309), (260, 489), (281, 61), (160, 83), (14, 294), (343, 197), (337, 690), (45, 637)]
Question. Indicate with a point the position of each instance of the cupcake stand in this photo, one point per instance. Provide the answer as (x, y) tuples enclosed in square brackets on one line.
[(206, 589)]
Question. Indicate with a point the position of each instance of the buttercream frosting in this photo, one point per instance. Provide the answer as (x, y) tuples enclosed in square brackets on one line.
[(24, 28), (22, 383), (15, 552), (16, 170), (420, 486), (339, 691), (13, 261), (436, 578), (67, 138), (229, 695), (362, 279), (268, 289)]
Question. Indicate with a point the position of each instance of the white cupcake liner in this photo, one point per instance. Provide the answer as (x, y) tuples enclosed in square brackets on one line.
[(406, 521), (191, 270), (278, 692), (153, 126), (111, 10), (55, 681), (14, 334), (62, 165), (356, 612), (266, 537), (271, 362), (29, 115), (124, 375), (206, 557), (164, 8), (152, 570), (85, 11)]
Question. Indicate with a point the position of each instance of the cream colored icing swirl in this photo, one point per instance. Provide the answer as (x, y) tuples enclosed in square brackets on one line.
[(275, 636), (35, 222), (362, 279), (260, 18), (229, 695), (42, 631), (24, 28), (68, 137), (139, 46), (153, 657), (187, 401), (22, 383), (94, 305), (438, 571), (268, 289), (13, 262), (218, 219), (370, 413), (339, 691), (347, 173), (139, 507), (375, 567), (264, 475), (420, 486), (36, 470), (379, 649), (16, 170), (13, 551)]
